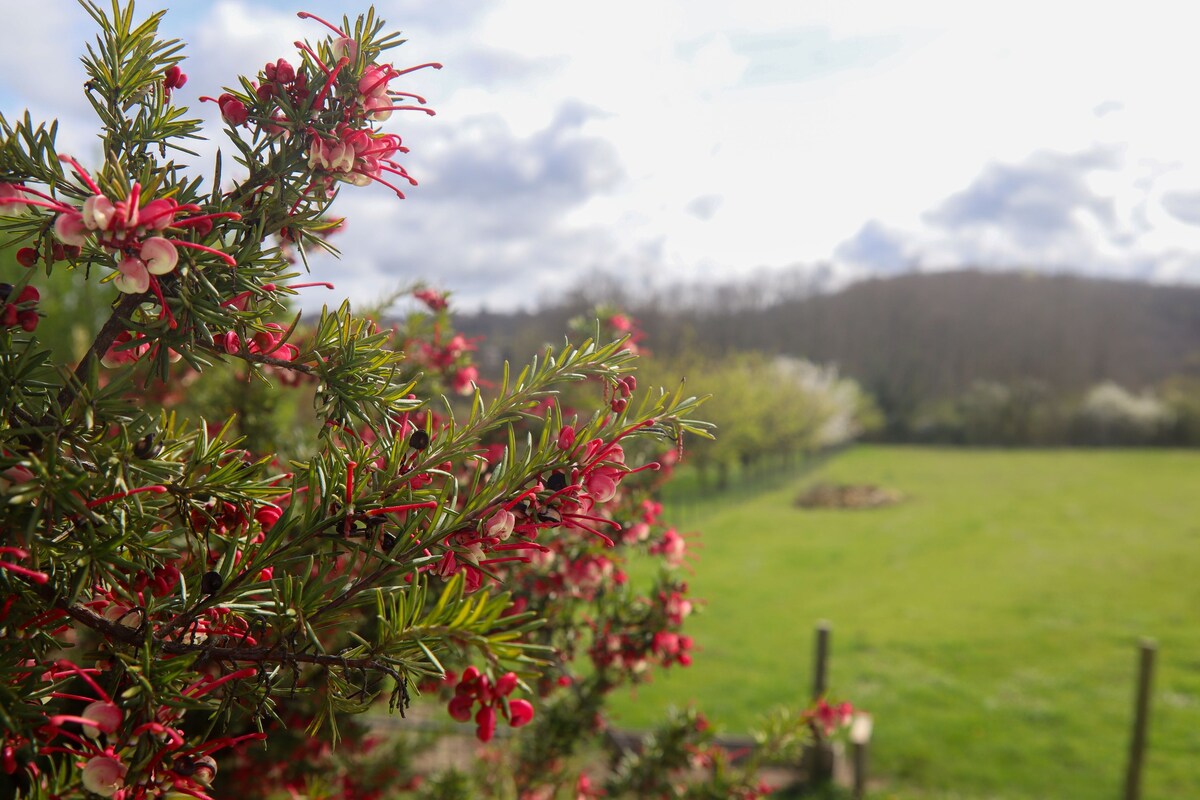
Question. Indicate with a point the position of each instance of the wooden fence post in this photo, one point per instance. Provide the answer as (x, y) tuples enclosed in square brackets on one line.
[(860, 738), (818, 758), (821, 661), (1141, 720)]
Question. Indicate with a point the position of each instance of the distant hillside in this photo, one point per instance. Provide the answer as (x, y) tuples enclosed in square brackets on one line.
[(920, 337)]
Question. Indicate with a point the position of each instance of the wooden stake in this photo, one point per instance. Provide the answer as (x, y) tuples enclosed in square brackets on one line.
[(1141, 721), (821, 661), (860, 739)]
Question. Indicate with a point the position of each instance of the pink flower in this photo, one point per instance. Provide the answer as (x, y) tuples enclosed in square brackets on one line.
[(98, 212), (673, 548), (520, 712), (106, 715), (133, 277), (120, 353), (506, 683), (233, 110), (566, 438), (173, 79), (448, 565), (460, 707), (831, 717), (157, 214), (464, 380), (434, 299), (621, 323), (373, 91), (69, 228), (344, 46), (501, 524), (601, 483), (103, 775), (159, 255), (485, 723)]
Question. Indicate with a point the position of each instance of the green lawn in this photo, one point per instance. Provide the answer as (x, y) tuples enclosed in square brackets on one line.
[(990, 622)]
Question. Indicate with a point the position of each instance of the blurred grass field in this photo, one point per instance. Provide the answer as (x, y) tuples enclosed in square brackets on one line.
[(990, 621)]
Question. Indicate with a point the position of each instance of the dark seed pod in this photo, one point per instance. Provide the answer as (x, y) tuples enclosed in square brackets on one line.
[(5, 290), (147, 447), (210, 583), (556, 482), (389, 541), (419, 440)]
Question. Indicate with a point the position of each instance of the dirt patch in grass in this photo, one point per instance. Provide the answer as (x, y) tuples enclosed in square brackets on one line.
[(847, 496)]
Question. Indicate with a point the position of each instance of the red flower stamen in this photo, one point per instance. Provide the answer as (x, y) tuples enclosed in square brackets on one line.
[(416, 97), (326, 284), (26, 202), (388, 74), (34, 192), (433, 64), (67, 666), (394, 509), (607, 541), (378, 179), (44, 618), (332, 27), (522, 545), (503, 559), (350, 466), (305, 48), (82, 173), (228, 259), (428, 111), (184, 223), (157, 727), (320, 98), (31, 574), (162, 301), (157, 489), (226, 741), (206, 685)]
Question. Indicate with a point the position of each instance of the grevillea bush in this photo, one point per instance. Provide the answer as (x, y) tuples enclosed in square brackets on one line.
[(197, 602)]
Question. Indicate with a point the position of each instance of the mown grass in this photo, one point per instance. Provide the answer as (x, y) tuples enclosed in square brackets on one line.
[(989, 622)]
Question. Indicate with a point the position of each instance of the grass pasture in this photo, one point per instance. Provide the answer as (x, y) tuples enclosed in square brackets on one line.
[(989, 621)]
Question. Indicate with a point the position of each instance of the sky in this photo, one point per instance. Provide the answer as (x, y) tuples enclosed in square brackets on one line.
[(700, 141)]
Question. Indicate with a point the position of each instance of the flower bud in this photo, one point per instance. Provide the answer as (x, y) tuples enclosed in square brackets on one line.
[(520, 712), (103, 775), (106, 716), (566, 437)]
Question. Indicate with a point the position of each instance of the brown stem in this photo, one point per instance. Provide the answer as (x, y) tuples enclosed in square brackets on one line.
[(259, 358), (104, 340), (261, 654)]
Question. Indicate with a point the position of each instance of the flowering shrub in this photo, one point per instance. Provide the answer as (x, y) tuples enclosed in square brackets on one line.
[(175, 593)]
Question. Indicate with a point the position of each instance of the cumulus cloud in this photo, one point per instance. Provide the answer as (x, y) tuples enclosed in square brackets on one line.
[(1033, 203), (878, 247), (491, 218), (1092, 211)]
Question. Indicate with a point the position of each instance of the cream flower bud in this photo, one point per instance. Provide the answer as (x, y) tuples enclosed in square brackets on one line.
[(103, 775), (98, 212), (160, 255)]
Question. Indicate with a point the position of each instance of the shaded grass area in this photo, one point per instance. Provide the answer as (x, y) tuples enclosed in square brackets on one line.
[(990, 621)]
